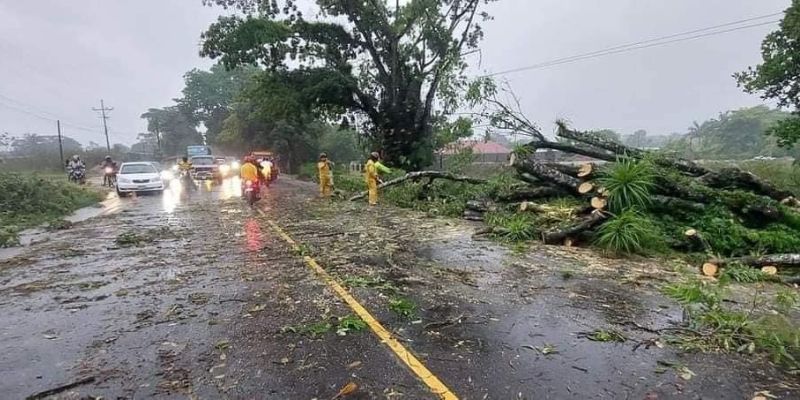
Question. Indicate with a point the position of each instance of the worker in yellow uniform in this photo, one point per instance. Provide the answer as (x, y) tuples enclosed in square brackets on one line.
[(324, 166), (249, 172), (266, 170), (373, 169)]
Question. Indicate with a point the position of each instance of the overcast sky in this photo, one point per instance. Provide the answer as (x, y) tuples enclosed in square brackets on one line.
[(59, 58)]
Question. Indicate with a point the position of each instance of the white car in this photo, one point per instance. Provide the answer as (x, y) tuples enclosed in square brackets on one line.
[(139, 177)]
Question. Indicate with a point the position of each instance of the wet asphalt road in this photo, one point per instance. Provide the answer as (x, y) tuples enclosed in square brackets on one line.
[(192, 295)]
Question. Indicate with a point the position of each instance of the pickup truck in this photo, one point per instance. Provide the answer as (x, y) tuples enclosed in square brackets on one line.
[(205, 168)]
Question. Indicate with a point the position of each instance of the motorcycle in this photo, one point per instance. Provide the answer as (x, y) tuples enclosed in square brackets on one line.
[(77, 175), (109, 176), (186, 179), (251, 192)]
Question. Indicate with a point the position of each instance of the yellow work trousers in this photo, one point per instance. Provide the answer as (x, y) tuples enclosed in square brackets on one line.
[(325, 185), (372, 189)]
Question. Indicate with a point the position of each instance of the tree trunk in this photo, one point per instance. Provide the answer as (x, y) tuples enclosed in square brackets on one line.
[(481, 206), (531, 194), (545, 173), (735, 178), (582, 150), (558, 236), (666, 203), (618, 149), (781, 260)]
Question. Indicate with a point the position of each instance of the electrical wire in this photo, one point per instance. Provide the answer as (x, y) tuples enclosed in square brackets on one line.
[(660, 41), (6, 102)]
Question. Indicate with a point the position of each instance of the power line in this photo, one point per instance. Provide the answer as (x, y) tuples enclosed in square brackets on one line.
[(660, 41), (41, 114)]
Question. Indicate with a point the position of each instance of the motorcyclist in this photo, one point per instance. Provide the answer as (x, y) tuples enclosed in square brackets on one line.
[(184, 169), (108, 162), (266, 170), (109, 170), (250, 171), (184, 165), (75, 165)]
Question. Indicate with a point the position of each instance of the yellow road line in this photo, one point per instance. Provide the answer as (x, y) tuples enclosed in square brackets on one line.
[(423, 373)]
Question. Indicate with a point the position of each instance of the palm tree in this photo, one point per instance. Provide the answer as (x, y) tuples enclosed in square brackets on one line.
[(694, 132)]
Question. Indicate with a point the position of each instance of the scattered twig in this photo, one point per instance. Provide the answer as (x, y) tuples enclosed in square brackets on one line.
[(59, 389)]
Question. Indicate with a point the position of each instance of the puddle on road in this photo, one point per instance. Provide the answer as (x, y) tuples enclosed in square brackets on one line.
[(459, 252)]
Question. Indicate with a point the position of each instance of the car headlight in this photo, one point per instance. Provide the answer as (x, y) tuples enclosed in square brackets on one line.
[(123, 179), (166, 175), (175, 168), (235, 165), (224, 169)]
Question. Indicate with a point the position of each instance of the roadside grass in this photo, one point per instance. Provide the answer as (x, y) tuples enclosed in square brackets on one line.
[(760, 326), (30, 200), (370, 282), (403, 307), (344, 325)]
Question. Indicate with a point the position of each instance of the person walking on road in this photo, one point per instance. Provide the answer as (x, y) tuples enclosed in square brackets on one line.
[(372, 173), (325, 168)]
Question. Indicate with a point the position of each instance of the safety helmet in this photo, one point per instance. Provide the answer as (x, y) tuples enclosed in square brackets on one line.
[(108, 157), (323, 155), (75, 157), (374, 154)]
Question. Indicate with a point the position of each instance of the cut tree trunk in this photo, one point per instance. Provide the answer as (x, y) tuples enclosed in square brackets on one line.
[(545, 173), (568, 169), (531, 194), (619, 149), (472, 215), (585, 187), (598, 203), (780, 260), (417, 175), (585, 170), (735, 178), (569, 148), (558, 236), (666, 203), (481, 206), (709, 269), (698, 241)]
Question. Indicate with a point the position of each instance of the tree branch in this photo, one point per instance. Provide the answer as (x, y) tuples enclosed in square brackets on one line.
[(417, 175)]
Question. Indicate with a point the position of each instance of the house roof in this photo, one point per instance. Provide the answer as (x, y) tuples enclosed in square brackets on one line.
[(477, 146)]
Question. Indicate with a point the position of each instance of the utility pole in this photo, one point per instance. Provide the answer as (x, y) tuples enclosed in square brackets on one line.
[(158, 137), (103, 110), (60, 145)]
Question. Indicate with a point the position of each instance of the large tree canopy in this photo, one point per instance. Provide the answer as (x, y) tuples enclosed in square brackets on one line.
[(209, 95), (386, 62), (778, 76), (176, 127)]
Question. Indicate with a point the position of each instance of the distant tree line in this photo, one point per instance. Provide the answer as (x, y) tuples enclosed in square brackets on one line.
[(41, 152)]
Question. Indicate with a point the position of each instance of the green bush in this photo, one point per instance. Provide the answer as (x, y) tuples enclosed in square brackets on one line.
[(513, 227), (29, 200), (629, 232), (628, 183)]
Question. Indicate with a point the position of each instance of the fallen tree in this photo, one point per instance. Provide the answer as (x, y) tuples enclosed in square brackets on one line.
[(778, 260), (692, 207), (558, 236), (417, 175)]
